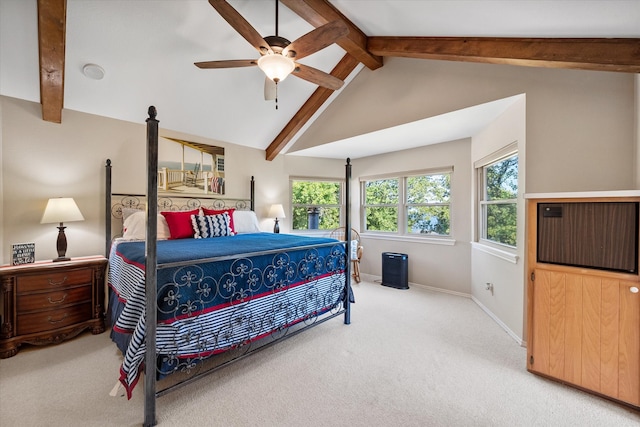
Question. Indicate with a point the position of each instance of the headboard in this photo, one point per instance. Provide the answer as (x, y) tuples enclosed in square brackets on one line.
[(116, 202)]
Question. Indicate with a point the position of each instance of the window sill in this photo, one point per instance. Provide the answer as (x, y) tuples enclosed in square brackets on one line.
[(446, 241), (502, 254)]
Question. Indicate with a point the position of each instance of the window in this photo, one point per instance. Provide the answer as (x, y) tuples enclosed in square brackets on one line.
[(498, 192), (428, 204), (381, 204), (316, 203), (409, 205)]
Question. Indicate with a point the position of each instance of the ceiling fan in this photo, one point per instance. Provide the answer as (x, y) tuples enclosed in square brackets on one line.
[(278, 55)]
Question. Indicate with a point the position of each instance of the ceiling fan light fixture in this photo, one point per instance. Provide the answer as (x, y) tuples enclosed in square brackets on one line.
[(276, 66)]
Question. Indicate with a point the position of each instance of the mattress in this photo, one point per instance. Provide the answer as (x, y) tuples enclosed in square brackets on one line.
[(217, 294)]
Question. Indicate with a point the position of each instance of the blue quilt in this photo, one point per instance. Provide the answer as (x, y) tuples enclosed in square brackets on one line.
[(220, 294)]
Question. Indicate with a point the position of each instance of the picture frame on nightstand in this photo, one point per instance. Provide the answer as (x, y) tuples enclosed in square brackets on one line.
[(23, 253)]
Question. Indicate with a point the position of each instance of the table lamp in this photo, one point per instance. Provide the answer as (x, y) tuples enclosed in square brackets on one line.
[(61, 210), (276, 211)]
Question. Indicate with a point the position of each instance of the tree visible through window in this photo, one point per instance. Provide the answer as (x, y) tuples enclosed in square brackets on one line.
[(417, 204), (316, 204), (381, 204), (499, 201), (428, 204)]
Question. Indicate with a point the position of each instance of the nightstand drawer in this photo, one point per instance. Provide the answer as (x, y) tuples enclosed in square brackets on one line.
[(53, 280), (53, 299), (53, 319)]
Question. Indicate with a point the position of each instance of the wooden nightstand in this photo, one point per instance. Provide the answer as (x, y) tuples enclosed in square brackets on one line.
[(49, 302)]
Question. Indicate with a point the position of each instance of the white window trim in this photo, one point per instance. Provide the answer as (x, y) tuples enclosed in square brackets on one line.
[(402, 206), (340, 206), (506, 252)]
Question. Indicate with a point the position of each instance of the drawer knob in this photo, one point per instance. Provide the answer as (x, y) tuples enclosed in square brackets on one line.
[(57, 301), (634, 289), (52, 321), (52, 283)]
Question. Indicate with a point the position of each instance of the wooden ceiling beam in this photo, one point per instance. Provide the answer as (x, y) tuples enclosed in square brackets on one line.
[(320, 12), (342, 70), (52, 17), (599, 54)]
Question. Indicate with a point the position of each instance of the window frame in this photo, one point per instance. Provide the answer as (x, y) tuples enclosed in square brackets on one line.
[(402, 206), (340, 205), (482, 204)]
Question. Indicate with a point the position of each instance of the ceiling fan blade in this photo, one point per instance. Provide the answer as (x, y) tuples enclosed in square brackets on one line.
[(270, 89), (241, 25), (316, 40), (318, 77), (231, 63)]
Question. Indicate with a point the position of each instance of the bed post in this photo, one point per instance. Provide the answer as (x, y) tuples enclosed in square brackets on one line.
[(107, 209), (347, 211), (151, 269), (253, 194)]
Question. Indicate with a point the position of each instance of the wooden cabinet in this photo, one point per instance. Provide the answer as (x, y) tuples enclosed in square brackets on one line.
[(48, 302), (586, 332), (583, 325)]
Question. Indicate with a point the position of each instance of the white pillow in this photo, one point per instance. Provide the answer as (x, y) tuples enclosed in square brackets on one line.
[(135, 227), (245, 222)]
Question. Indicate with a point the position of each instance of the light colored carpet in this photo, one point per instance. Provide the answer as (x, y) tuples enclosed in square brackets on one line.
[(410, 357)]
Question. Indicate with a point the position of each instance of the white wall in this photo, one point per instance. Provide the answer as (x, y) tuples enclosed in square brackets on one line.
[(440, 266), (42, 160), (2, 158), (637, 121), (580, 124), (507, 274)]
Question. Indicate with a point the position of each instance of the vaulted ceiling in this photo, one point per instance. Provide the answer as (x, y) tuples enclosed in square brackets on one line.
[(148, 48)]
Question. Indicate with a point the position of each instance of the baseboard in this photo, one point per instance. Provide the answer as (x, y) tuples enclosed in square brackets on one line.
[(520, 341), (499, 322)]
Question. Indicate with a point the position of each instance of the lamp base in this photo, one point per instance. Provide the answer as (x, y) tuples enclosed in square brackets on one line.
[(276, 227), (61, 244)]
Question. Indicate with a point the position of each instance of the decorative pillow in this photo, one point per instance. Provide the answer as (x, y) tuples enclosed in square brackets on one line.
[(127, 212), (207, 226), (179, 223), (135, 227), (217, 212), (245, 222), (353, 250)]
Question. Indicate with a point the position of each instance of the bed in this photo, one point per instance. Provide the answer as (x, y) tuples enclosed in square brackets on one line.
[(200, 286)]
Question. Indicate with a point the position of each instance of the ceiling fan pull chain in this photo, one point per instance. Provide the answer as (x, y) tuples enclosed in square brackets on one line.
[(276, 95)]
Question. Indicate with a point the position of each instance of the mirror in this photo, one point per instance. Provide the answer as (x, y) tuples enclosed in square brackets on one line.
[(186, 167)]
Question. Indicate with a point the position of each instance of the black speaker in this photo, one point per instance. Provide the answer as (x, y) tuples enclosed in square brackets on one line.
[(395, 270)]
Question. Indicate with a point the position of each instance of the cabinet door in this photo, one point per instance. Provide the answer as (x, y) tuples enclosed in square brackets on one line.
[(586, 331), (629, 343)]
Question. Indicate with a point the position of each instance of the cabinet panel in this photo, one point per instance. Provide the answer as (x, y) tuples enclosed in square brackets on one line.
[(556, 324), (541, 314), (591, 297), (573, 329), (609, 327), (629, 345)]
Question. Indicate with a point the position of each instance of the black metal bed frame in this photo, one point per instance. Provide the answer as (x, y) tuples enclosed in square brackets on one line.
[(151, 270)]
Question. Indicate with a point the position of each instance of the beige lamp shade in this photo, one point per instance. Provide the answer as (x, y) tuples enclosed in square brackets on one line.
[(61, 209), (276, 211)]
